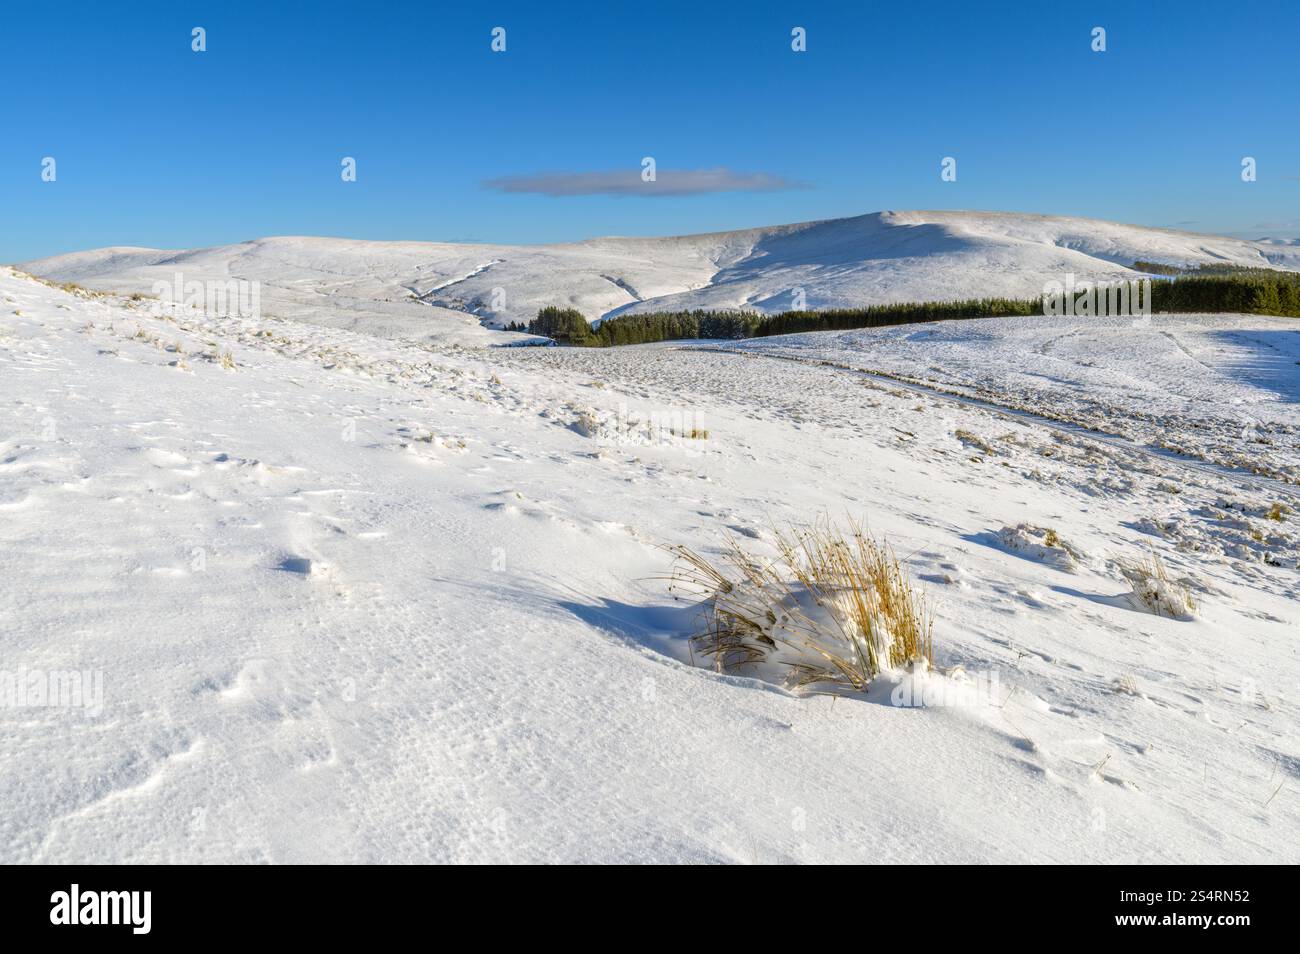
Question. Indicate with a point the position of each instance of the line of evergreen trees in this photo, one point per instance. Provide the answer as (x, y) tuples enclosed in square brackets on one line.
[(1217, 268), (1259, 292), (1255, 293), (877, 316), (563, 324), (569, 326)]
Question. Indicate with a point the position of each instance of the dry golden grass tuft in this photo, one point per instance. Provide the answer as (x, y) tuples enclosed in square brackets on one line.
[(1126, 685), (1155, 590), (832, 606), (971, 439)]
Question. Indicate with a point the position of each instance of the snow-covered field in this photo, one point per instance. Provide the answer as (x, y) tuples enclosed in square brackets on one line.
[(359, 598), (440, 292), (1220, 388)]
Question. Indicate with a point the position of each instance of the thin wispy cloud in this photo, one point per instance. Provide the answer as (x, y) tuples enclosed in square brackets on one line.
[(1287, 230), (628, 182)]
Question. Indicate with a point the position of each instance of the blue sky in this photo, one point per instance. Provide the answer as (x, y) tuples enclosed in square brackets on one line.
[(158, 145)]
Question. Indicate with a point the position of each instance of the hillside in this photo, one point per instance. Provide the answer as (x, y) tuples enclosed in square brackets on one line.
[(329, 597), (448, 292)]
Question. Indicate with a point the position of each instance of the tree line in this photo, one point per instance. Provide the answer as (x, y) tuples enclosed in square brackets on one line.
[(1258, 292)]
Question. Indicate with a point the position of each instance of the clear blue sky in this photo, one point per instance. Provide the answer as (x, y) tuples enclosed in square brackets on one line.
[(157, 145)]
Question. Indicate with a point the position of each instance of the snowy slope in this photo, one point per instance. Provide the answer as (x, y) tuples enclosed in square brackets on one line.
[(356, 599), (440, 292), (1223, 389)]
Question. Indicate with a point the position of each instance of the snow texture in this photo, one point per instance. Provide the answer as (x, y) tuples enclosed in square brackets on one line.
[(368, 592)]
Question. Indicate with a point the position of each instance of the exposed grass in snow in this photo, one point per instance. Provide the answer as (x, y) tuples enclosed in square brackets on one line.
[(1154, 590), (971, 439), (692, 433), (1043, 544), (833, 606)]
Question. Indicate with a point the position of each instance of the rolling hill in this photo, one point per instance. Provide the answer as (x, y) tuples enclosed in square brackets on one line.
[(458, 292)]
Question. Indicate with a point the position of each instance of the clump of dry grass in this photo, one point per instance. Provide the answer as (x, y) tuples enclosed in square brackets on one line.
[(971, 439), (832, 606), (587, 423), (1155, 590), (1126, 685)]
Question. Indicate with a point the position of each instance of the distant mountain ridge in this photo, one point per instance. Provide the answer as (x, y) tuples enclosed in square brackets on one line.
[(447, 291)]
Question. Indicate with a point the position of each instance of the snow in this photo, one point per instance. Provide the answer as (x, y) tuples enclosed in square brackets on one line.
[(369, 598), (1221, 388), (441, 292)]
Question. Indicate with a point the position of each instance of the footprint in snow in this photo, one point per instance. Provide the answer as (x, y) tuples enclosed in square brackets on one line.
[(300, 565)]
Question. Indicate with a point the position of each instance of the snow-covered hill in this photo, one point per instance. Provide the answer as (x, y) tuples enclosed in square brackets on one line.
[(331, 597), (439, 291)]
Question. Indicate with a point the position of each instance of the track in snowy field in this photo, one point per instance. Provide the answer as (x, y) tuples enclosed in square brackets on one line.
[(1206, 467)]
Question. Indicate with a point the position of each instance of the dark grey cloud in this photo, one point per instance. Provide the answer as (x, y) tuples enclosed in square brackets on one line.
[(622, 182)]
